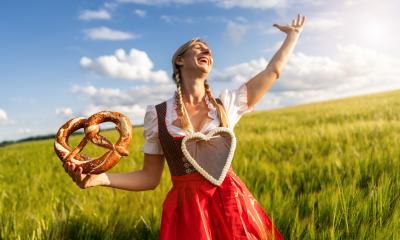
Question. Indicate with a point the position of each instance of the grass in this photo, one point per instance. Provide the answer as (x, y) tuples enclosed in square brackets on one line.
[(327, 170)]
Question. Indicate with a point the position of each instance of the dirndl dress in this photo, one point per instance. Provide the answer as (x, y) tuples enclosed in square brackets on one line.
[(196, 209)]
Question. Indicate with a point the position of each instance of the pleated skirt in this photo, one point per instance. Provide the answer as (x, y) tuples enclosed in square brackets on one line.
[(196, 209)]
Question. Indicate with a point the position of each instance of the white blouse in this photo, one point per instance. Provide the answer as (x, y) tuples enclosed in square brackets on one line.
[(234, 102)]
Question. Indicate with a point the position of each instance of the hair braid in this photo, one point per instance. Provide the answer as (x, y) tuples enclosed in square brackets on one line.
[(220, 109), (180, 106)]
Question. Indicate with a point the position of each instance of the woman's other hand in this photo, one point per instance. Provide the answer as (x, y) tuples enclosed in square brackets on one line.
[(296, 26), (84, 180)]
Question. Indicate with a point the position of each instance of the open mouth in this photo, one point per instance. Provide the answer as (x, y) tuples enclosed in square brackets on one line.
[(203, 60)]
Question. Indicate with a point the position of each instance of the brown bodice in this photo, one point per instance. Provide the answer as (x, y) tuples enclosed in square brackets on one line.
[(177, 163)]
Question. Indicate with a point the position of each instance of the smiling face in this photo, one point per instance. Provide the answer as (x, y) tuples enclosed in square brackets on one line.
[(197, 57)]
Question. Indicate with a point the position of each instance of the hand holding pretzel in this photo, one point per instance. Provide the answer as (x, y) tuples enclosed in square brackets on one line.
[(80, 167), (84, 180)]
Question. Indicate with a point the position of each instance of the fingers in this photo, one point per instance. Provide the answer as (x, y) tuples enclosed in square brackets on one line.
[(69, 168), (84, 182), (80, 176), (298, 21), (72, 168), (295, 21), (74, 171), (277, 26), (303, 19)]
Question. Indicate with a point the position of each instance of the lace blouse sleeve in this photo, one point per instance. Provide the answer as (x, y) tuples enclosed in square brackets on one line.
[(235, 103), (152, 142)]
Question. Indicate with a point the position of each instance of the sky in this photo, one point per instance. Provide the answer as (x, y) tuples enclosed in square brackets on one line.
[(64, 59)]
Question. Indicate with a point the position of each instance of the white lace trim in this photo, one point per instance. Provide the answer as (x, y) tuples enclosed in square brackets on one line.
[(242, 98), (172, 115), (234, 102)]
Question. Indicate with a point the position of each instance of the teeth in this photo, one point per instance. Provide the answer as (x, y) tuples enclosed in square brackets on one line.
[(203, 59)]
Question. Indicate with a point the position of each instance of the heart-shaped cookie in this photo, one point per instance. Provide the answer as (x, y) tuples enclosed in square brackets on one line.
[(211, 154)]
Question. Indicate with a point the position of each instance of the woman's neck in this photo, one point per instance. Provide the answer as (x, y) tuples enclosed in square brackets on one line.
[(193, 89)]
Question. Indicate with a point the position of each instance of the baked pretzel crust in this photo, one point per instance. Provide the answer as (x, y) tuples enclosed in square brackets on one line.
[(91, 128)]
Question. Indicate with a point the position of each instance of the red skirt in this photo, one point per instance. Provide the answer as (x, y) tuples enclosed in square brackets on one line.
[(195, 209)]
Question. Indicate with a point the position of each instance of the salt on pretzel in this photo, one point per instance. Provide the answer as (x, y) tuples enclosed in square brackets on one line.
[(91, 128)]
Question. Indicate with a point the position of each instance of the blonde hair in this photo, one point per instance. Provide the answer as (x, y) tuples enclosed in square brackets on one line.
[(176, 76)]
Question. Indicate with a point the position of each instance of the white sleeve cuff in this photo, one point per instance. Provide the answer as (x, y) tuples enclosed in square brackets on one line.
[(235, 103), (152, 148), (150, 132), (241, 100)]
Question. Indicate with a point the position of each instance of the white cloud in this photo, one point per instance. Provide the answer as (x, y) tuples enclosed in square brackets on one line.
[(24, 131), (89, 90), (241, 19), (3, 116), (311, 72), (275, 47), (236, 31), (131, 102), (105, 33), (110, 5), (137, 95), (353, 70), (221, 3), (240, 73), (160, 2), (134, 66), (101, 14), (265, 4), (140, 13), (171, 19), (217, 19), (5, 120), (135, 112), (64, 112), (352, 3), (257, 4), (322, 24)]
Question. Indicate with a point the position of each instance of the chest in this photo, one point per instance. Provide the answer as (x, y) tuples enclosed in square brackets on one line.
[(199, 117)]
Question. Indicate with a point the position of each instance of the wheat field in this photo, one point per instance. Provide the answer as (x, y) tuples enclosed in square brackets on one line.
[(327, 170)]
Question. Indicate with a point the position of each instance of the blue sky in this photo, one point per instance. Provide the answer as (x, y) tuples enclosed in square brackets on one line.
[(62, 59)]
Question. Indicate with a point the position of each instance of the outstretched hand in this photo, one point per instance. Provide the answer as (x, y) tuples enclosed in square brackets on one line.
[(83, 180), (296, 26)]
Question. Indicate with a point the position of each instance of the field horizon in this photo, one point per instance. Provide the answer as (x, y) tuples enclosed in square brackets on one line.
[(51, 136), (321, 170)]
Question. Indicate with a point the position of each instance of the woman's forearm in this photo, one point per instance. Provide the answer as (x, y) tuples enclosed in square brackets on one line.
[(131, 181), (280, 58), (259, 84)]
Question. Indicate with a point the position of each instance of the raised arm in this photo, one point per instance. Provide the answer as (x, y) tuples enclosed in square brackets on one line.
[(145, 179), (260, 83)]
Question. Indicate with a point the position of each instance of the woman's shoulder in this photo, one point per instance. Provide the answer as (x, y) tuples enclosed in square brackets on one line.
[(235, 102), (151, 109)]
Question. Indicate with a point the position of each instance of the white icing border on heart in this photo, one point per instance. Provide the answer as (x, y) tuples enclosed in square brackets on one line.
[(207, 137)]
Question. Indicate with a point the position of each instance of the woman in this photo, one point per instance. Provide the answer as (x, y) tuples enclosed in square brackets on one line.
[(195, 208)]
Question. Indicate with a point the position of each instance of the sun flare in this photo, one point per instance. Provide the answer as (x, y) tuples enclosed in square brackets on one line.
[(374, 33)]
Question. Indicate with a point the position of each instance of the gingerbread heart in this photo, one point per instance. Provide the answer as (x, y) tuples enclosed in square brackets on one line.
[(211, 154)]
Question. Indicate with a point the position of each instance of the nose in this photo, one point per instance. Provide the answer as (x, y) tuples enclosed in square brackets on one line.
[(207, 51)]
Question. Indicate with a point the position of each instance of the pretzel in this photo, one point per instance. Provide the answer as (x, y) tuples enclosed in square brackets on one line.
[(91, 128)]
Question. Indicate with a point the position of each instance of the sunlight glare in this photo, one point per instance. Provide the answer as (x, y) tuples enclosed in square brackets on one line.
[(373, 33)]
